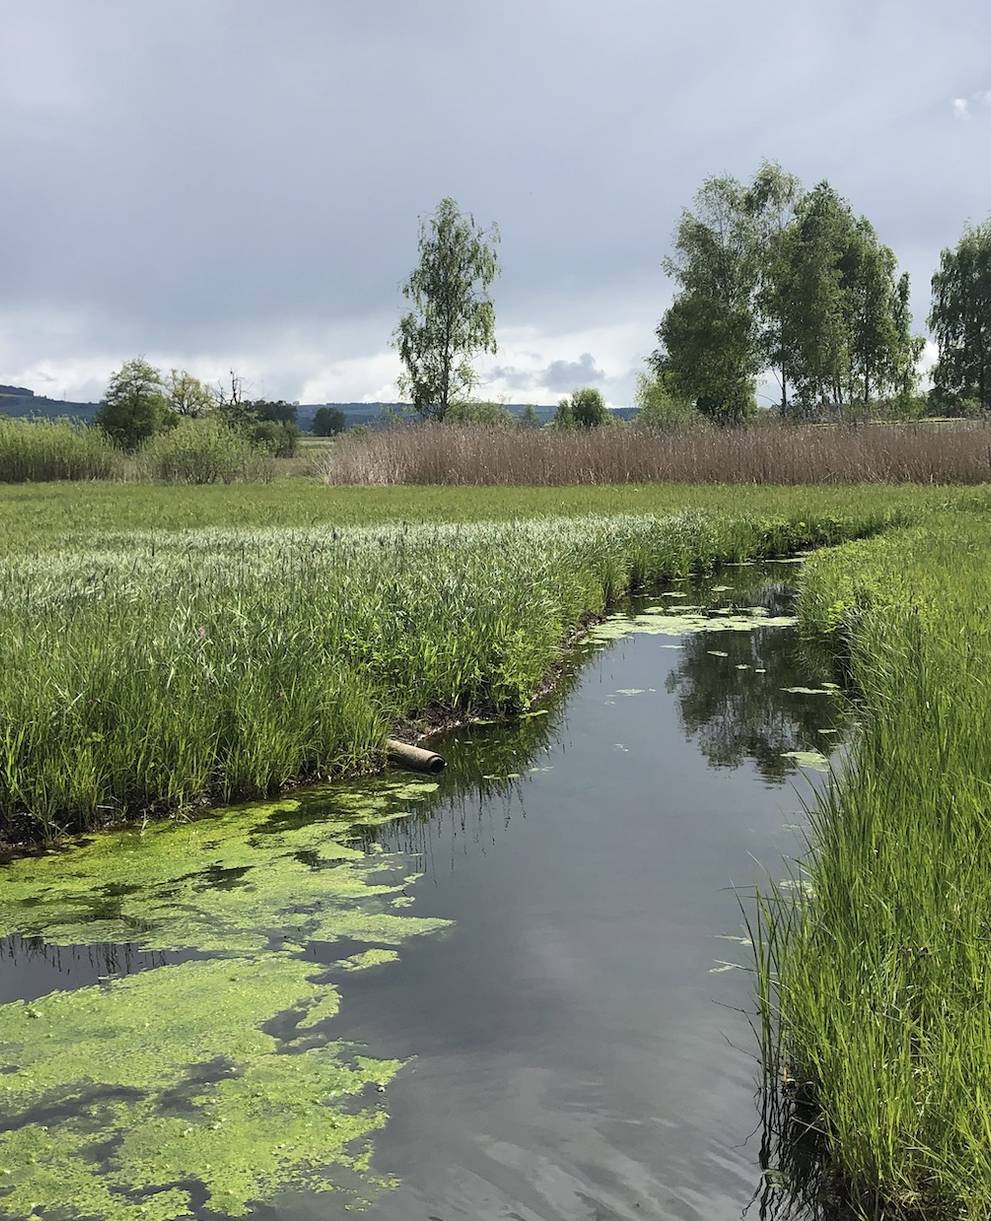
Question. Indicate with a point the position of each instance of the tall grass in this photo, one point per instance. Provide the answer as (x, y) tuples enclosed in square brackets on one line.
[(32, 451), (875, 972), (156, 670), (766, 453)]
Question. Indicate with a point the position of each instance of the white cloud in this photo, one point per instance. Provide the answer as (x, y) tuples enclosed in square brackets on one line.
[(963, 108)]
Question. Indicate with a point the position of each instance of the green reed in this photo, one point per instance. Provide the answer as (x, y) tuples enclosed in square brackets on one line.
[(150, 670), (875, 972)]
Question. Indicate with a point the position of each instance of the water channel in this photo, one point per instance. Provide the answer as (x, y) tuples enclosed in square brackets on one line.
[(507, 994)]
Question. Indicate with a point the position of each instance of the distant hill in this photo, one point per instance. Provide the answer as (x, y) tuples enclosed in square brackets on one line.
[(19, 401)]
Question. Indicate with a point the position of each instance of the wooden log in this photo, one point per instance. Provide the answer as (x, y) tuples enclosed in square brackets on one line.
[(414, 758)]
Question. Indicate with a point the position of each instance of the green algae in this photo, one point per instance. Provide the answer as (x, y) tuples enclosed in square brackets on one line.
[(230, 882), (369, 958), (209, 1096), (216, 1078)]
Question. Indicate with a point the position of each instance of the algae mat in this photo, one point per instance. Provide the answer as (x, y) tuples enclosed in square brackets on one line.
[(213, 1083)]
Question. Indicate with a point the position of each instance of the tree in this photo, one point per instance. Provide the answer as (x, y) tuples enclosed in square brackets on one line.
[(564, 416), (328, 421), (771, 202), (276, 410), (528, 418), (187, 396), (960, 319), (588, 408), (708, 335), (453, 318), (134, 407), (232, 407)]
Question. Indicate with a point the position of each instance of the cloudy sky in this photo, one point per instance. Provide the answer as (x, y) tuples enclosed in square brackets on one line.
[(236, 183)]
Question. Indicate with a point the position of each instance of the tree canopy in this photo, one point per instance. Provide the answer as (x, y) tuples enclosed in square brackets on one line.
[(771, 278), (452, 318), (135, 406), (960, 319)]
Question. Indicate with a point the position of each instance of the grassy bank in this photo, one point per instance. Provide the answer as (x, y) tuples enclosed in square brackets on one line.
[(879, 981), (152, 668)]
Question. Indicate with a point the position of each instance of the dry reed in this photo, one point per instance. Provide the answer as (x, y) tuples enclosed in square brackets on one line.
[(759, 454)]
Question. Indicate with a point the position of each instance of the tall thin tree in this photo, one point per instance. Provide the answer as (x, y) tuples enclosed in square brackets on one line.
[(452, 318)]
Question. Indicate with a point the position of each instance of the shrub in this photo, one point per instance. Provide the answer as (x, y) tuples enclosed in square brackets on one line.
[(661, 409), (280, 438), (37, 450), (205, 451), (484, 415)]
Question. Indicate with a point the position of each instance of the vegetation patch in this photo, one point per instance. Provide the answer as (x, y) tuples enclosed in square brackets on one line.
[(111, 1111), (155, 670), (875, 973)]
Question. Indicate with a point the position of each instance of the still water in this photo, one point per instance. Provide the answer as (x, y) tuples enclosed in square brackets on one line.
[(552, 962)]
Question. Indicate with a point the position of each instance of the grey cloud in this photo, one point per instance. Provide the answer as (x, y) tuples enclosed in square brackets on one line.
[(198, 178), (558, 375)]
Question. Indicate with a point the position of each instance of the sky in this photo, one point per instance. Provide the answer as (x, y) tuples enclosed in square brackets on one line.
[(223, 184)]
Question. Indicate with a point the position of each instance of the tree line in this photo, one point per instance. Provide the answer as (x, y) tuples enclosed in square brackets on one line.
[(774, 283), (142, 402)]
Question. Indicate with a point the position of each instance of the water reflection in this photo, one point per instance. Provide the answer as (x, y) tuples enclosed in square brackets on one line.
[(737, 707)]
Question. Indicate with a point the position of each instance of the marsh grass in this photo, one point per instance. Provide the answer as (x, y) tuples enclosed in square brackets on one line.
[(763, 453), (152, 670), (33, 451), (874, 975)]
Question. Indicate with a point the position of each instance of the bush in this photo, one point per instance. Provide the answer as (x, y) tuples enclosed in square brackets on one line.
[(205, 451), (483, 415), (37, 450), (280, 438), (661, 409)]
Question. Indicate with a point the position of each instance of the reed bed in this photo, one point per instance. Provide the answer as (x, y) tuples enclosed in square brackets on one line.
[(32, 451), (765, 453), (875, 967), (153, 670)]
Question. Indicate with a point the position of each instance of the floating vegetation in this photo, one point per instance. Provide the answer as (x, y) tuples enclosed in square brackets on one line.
[(207, 1096), (814, 760), (809, 690), (369, 958), (228, 882), (214, 1078), (687, 621)]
